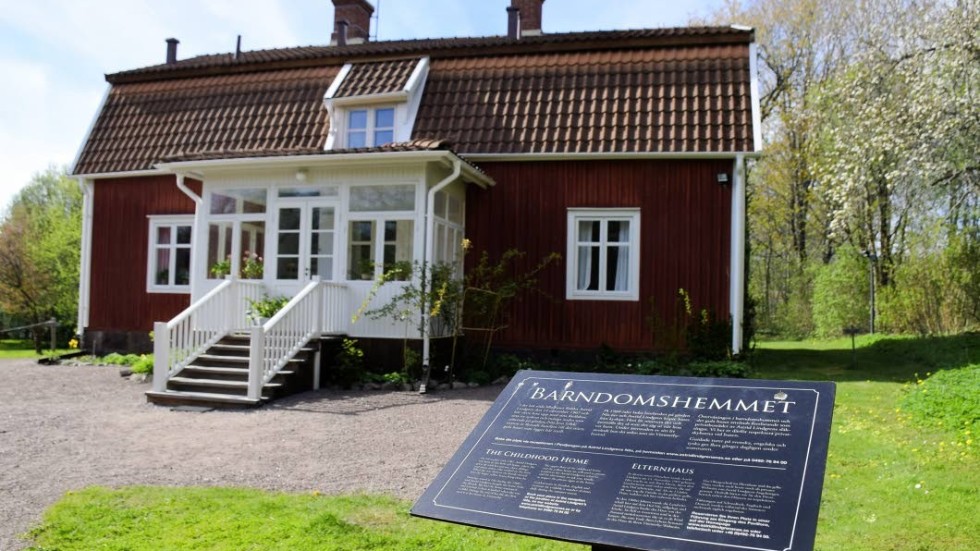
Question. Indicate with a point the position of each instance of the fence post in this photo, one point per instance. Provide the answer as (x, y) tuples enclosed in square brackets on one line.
[(161, 356), (255, 371)]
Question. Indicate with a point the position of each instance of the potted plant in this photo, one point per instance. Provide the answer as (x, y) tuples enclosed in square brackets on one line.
[(259, 311), (221, 268)]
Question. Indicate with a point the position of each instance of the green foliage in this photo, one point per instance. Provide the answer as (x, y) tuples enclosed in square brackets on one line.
[(948, 399), (143, 365), (840, 293), (699, 334), (266, 307), (349, 363), (509, 364), (40, 240), (936, 291), (152, 518)]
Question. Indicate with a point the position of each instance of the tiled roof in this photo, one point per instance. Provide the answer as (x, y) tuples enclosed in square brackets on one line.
[(658, 90), (379, 77), (143, 123), (419, 144), (694, 99)]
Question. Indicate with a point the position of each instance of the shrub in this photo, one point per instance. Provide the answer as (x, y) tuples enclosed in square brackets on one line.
[(350, 364), (840, 293), (723, 368), (948, 399), (144, 364)]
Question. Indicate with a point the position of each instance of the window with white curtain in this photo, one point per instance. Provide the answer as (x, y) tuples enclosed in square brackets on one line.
[(603, 254), (169, 260)]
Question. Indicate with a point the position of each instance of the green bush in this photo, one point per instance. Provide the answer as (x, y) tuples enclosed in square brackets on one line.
[(840, 293), (721, 368), (935, 291), (948, 399), (144, 364), (349, 363)]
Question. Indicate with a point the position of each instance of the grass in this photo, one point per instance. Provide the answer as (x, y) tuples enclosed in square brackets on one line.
[(11, 349), (903, 473), (152, 518), (894, 481)]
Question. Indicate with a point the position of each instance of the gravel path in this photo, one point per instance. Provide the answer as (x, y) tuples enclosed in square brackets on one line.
[(64, 428)]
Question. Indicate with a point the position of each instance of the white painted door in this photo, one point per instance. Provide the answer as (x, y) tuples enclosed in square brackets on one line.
[(305, 242)]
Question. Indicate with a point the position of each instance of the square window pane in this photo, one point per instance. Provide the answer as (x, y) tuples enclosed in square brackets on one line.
[(289, 219), (321, 266), (384, 118), (356, 140), (323, 218), (382, 137), (588, 231), (183, 234), (321, 243), (288, 243), (361, 231), (361, 263), (357, 119), (163, 235), (619, 231), (287, 268), (455, 210)]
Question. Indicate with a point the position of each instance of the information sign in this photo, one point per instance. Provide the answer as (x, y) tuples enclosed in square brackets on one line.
[(639, 462)]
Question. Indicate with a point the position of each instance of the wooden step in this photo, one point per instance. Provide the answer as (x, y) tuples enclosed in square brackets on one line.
[(222, 358), (181, 398), (218, 383)]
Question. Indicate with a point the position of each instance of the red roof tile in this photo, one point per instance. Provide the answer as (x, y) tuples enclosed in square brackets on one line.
[(659, 90), (379, 77)]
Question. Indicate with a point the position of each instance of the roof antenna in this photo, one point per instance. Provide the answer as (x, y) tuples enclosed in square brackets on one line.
[(238, 48), (377, 19)]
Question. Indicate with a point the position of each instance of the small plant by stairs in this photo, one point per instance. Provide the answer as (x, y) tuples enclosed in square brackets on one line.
[(219, 377)]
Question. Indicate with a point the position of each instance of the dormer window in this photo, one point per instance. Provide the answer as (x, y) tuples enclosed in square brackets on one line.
[(370, 127), (375, 103)]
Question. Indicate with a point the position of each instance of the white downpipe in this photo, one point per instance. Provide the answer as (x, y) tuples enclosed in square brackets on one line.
[(737, 254), (187, 191), (85, 274), (430, 214)]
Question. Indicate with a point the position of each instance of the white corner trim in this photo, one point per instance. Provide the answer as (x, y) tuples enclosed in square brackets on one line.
[(754, 91), (85, 270), (414, 88), (337, 81), (91, 127), (736, 276)]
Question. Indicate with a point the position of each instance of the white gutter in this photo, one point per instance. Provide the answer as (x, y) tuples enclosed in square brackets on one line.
[(680, 155), (124, 174), (85, 270), (737, 255), (430, 213)]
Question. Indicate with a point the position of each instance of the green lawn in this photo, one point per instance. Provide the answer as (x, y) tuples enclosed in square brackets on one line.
[(17, 349), (896, 480)]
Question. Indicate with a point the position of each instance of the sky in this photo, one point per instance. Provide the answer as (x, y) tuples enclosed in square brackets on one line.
[(54, 54)]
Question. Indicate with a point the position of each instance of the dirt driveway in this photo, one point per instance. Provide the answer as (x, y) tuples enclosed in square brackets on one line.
[(64, 428)]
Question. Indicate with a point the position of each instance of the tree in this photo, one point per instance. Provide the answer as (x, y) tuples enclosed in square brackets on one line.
[(40, 240)]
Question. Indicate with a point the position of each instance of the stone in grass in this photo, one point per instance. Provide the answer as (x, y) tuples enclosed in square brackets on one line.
[(372, 386), (471, 384), (388, 385), (407, 387), (125, 372), (502, 380), (443, 386), (139, 377), (458, 385)]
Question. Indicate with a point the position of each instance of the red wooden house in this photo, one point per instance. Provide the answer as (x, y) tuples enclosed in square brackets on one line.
[(306, 172)]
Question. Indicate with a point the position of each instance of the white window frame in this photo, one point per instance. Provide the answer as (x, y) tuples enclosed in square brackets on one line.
[(370, 129), (173, 222), (576, 215)]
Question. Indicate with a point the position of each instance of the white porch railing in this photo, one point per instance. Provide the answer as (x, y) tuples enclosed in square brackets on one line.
[(315, 310), (180, 341)]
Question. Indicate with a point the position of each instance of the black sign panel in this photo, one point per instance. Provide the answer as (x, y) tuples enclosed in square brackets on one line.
[(656, 463)]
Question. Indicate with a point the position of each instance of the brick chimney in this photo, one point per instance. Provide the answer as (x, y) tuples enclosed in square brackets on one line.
[(530, 10), (357, 14)]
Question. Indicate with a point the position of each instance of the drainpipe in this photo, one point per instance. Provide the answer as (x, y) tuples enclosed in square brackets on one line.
[(737, 254), (430, 213), (198, 235), (85, 275)]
